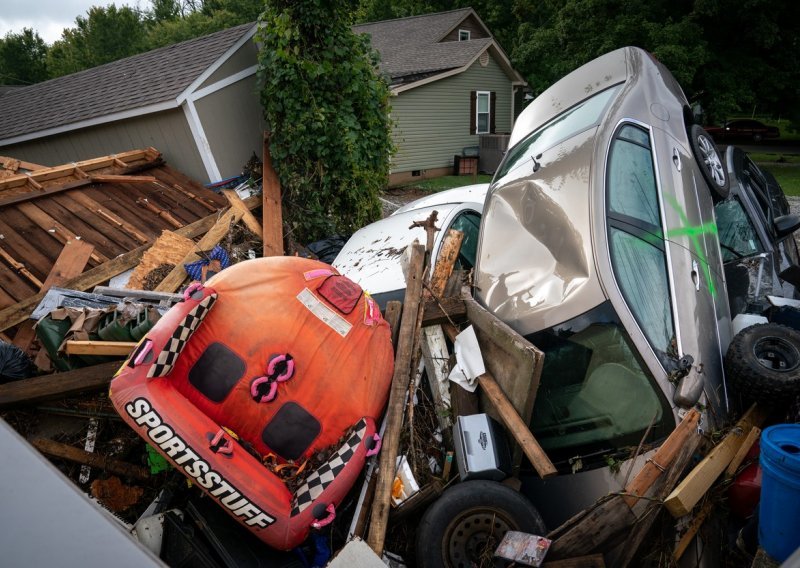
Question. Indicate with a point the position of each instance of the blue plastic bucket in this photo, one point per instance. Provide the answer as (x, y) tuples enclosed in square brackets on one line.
[(779, 511)]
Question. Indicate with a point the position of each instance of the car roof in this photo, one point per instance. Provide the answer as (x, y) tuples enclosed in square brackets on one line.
[(475, 193)]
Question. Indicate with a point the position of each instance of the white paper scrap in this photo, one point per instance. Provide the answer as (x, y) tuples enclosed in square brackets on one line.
[(469, 361)]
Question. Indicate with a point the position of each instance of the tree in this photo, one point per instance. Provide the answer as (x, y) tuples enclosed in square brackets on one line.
[(105, 34), (198, 19), (23, 58), (327, 108)]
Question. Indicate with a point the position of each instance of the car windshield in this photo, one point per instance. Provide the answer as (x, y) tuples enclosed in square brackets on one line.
[(595, 394), (737, 236), (566, 125)]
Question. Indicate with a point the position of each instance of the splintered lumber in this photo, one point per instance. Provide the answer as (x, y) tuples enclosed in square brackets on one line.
[(174, 279), (689, 492), (89, 347), (58, 384), (392, 316), (247, 218), (692, 530), (655, 466), (737, 460), (595, 528), (13, 164), (397, 399), (445, 261), (67, 452), (70, 263), (517, 427), (169, 248), (271, 214), (20, 311), (20, 268), (436, 359)]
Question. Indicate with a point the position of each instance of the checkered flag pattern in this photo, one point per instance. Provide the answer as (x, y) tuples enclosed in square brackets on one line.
[(316, 483), (166, 359)]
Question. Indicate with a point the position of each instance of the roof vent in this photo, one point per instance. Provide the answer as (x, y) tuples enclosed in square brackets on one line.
[(484, 59)]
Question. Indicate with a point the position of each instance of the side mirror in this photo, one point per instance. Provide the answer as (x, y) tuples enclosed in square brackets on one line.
[(786, 224)]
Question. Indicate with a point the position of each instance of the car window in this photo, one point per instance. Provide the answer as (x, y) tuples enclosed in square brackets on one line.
[(635, 238), (469, 223), (594, 393), (565, 125), (737, 235)]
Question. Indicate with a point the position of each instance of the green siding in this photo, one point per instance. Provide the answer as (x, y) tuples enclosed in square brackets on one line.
[(432, 121), (168, 132), (233, 122)]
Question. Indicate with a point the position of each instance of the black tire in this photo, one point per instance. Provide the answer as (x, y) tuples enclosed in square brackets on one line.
[(465, 525), (763, 363), (710, 161)]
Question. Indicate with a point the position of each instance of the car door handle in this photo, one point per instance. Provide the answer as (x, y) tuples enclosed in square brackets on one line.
[(696, 275), (676, 159)]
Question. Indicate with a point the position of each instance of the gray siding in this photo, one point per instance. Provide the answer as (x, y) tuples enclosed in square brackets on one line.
[(244, 57), (166, 131), (233, 122), (471, 24), (432, 121)]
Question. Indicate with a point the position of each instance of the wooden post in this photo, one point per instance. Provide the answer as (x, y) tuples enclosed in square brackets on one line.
[(397, 397), (36, 389), (272, 217), (66, 452)]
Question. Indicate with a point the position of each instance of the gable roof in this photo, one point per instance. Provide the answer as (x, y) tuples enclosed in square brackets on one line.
[(156, 77), (412, 49)]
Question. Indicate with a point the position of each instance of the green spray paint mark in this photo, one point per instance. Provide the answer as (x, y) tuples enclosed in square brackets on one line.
[(694, 234)]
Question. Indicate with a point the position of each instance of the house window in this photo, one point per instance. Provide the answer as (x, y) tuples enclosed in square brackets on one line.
[(482, 112), (463, 35)]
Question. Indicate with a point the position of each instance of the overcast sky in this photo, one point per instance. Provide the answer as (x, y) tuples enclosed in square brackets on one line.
[(49, 17)]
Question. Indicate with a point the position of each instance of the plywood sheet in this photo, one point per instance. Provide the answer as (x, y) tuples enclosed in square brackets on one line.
[(169, 248)]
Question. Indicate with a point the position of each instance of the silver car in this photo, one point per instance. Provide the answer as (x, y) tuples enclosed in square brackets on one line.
[(607, 194)]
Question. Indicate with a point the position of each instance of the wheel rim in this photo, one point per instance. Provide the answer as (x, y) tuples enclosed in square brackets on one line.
[(472, 537), (777, 354), (711, 160)]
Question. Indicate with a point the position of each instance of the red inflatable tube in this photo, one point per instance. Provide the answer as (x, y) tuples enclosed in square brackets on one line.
[(193, 388)]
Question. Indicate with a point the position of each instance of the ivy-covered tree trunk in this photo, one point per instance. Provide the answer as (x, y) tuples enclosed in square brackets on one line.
[(328, 110)]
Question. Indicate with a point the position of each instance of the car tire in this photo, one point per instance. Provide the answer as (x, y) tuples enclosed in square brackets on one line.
[(763, 363), (469, 520), (710, 161)]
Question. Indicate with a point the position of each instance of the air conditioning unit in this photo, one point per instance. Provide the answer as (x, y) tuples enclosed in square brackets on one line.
[(492, 148)]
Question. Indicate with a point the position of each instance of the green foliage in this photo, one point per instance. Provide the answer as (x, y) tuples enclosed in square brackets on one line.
[(327, 108), (23, 58), (105, 34)]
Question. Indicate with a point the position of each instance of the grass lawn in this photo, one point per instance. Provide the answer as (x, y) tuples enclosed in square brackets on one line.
[(434, 185), (788, 175)]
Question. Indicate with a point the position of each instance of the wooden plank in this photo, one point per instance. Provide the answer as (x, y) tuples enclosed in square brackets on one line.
[(109, 216), (392, 316), (17, 239), (590, 561), (271, 214), (70, 263), (443, 310), (198, 199), (118, 240), (517, 427), (70, 453), (5, 161), (15, 284), (109, 178), (20, 268), (53, 227), (89, 347), (88, 231), (436, 359), (692, 530), (689, 492), (247, 217), (451, 245), (397, 398), (57, 385), (737, 460), (30, 196), (174, 279), (20, 311), (662, 459), (147, 204)]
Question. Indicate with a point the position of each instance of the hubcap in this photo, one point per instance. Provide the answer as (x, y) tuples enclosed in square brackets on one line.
[(472, 537), (711, 160), (777, 354)]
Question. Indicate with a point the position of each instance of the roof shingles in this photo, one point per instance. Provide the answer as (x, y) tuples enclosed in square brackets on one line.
[(141, 80)]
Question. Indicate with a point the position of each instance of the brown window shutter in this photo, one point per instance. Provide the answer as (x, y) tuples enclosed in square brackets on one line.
[(473, 107), (492, 108)]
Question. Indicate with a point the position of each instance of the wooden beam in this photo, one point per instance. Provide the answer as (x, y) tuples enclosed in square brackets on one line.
[(20, 268), (689, 492), (451, 245), (692, 530), (70, 453), (247, 217), (57, 385), (4, 160), (19, 312), (163, 213), (517, 427), (436, 359), (397, 399), (109, 216), (271, 214), (54, 227), (175, 278), (89, 347), (443, 310), (392, 315), (109, 178), (30, 196), (737, 460)]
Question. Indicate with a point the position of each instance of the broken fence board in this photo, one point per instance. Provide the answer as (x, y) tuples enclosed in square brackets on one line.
[(57, 385), (271, 214), (20, 311), (67, 452)]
